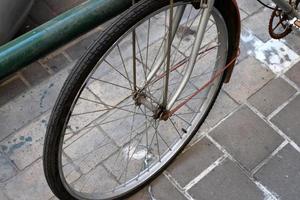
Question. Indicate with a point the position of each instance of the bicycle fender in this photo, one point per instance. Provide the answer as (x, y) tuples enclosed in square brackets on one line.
[(230, 11)]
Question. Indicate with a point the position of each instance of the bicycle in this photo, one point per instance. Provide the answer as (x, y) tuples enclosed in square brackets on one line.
[(141, 92)]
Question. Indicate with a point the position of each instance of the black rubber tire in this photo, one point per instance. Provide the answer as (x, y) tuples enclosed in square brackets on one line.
[(74, 83)]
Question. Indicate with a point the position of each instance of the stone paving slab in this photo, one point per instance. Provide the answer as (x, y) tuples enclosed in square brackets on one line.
[(294, 74), (22, 110), (161, 188), (76, 51), (282, 174), (247, 78), (257, 23), (276, 56), (245, 136), (27, 141), (57, 62), (11, 90), (29, 184), (226, 182), (223, 106), (7, 170), (248, 43), (2, 195), (293, 41), (192, 162), (271, 96), (288, 119), (37, 77), (249, 7)]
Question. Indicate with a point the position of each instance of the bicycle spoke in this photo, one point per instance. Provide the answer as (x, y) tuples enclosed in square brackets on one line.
[(142, 61), (179, 117), (148, 38), (123, 64), (109, 64), (134, 59), (177, 131), (157, 143), (114, 84), (128, 155)]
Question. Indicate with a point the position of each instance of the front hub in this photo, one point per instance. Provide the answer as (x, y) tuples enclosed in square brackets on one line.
[(158, 111)]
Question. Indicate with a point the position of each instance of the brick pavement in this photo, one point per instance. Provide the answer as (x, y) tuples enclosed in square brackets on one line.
[(248, 148)]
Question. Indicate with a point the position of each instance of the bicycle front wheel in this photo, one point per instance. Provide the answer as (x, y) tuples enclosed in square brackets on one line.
[(106, 138)]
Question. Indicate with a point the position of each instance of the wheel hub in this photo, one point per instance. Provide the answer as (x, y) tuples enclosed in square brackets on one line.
[(159, 112)]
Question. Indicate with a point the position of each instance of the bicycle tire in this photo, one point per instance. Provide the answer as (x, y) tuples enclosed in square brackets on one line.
[(75, 82)]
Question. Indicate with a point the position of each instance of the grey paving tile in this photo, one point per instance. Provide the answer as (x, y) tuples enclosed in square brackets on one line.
[(249, 6), (6, 169), (247, 78), (53, 198), (57, 62), (276, 56), (10, 90), (245, 136), (257, 25), (26, 146), (90, 182), (161, 188), (223, 106), (226, 182), (29, 185), (248, 43), (191, 163), (2, 195), (243, 14), (275, 93), (30, 105), (77, 50), (281, 174), (35, 73), (288, 119), (89, 150), (294, 74), (293, 41)]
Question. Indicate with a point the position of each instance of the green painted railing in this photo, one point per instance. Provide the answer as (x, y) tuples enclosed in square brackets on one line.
[(57, 32)]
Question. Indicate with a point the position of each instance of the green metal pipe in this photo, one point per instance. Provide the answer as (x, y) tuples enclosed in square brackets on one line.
[(57, 32)]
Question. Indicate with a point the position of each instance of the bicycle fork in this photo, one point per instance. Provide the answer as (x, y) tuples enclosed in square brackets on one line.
[(207, 6)]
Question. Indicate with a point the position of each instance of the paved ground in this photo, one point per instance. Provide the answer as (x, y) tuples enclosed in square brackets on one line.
[(247, 149)]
